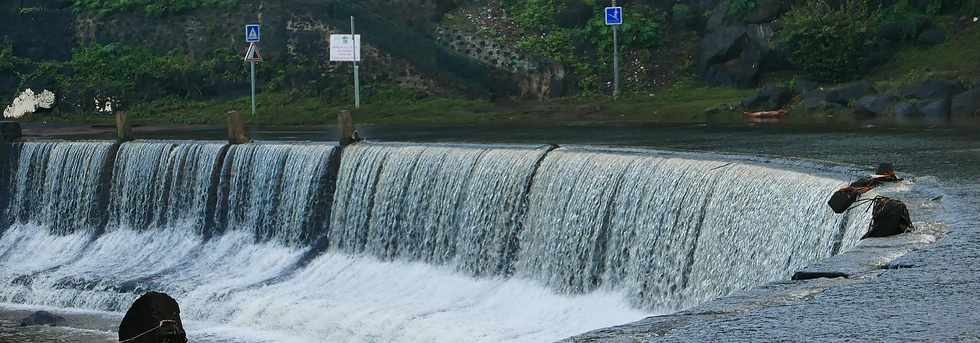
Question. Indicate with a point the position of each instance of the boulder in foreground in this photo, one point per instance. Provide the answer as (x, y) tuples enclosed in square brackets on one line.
[(153, 318)]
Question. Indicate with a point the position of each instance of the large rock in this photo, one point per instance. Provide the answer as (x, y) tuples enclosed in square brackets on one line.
[(42, 318), (153, 318), (966, 104), (846, 93), (769, 97), (875, 104), (935, 108), (890, 217), (732, 53), (905, 110), (932, 89)]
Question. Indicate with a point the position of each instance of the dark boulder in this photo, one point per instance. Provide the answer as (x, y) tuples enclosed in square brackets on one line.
[(42, 318), (931, 36), (890, 217), (905, 110), (804, 87), (966, 104), (153, 318), (934, 109), (769, 97), (817, 102), (842, 199), (932, 89), (732, 53), (875, 104), (846, 93)]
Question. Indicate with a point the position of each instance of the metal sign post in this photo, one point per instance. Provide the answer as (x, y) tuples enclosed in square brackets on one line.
[(614, 18), (357, 79), (253, 34)]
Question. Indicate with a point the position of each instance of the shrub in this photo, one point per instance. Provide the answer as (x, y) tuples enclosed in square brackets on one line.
[(740, 8), (151, 7), (831, 43)]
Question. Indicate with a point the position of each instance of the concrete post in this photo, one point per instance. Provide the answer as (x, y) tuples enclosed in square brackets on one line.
[(345, 128), (237, 134), (124, 131), (9, 131)]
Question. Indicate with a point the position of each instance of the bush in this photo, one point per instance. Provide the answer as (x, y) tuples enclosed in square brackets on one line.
[(832, 43), (151, 7), (741, 8)]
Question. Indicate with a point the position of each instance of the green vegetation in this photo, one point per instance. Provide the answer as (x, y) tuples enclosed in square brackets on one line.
[(151, 7), (130, 75), (831, 43), (685, 102), (547, 36), (741, 8), (955, 59)]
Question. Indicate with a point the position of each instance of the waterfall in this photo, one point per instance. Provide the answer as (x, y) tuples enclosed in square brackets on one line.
[(159, 183), (673, 232), (60, 185), (432, 242), (277, 191), (438, 204)]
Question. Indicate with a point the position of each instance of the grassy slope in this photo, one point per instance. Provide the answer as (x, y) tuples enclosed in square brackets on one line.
[(957, 58), (685, 102)]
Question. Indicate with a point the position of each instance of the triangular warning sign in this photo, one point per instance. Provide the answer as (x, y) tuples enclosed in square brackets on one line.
[(253, 55)]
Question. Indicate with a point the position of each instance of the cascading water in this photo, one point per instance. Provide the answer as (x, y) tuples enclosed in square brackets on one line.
[(417, 243), (436, 204), (673, 232), (277, 191), (59, 185), (159, 183)]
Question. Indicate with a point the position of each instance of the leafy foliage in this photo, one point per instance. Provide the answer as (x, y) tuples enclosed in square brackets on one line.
[(740, 8), (832, 43), (584, 47), (151, 7)]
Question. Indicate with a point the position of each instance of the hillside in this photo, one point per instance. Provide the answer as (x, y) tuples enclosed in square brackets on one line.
[(467, 61)]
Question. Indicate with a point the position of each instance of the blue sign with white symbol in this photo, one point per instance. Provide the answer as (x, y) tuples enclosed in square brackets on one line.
[(252, 33), (614, 16)]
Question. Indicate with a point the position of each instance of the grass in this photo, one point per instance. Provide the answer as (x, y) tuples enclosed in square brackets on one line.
[(957, 58), (685, 102)]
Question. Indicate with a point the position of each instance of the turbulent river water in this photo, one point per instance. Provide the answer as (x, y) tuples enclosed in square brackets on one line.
[(403, 242)]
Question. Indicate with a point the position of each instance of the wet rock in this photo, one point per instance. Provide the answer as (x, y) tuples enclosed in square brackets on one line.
[(845, 93), (875, 104), (42, 318), (890, 218), (153, 318), (934, 109), (966, 104), (932, 89), (932, 36)]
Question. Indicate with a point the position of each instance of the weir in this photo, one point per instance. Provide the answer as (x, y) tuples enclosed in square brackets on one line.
[(428, 237)]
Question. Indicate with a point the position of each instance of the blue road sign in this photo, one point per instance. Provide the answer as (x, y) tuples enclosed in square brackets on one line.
[(614, 16), (253, 33)]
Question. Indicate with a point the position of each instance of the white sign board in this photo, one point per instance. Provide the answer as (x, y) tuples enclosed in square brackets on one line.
[(345, 49)]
